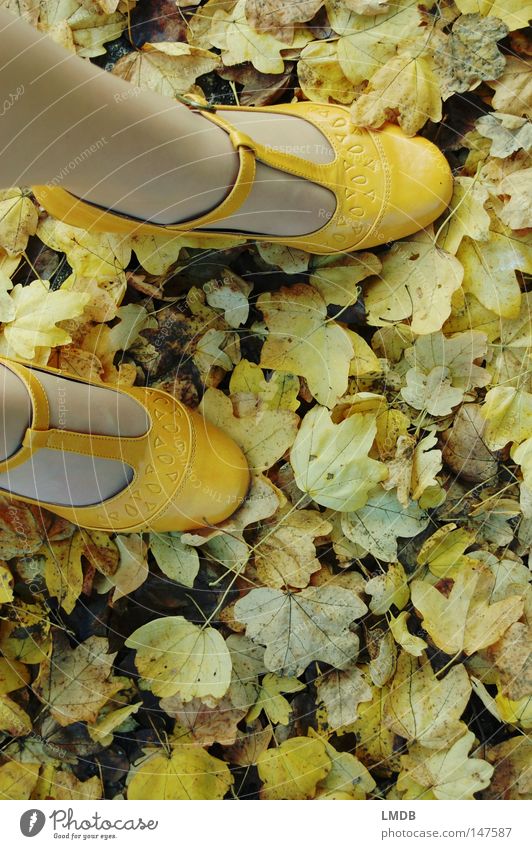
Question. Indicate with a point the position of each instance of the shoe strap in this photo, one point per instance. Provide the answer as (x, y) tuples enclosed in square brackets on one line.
[(317, 172), (41, 435)]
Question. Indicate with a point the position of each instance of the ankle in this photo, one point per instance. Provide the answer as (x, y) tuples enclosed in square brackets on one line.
[(185, 166)]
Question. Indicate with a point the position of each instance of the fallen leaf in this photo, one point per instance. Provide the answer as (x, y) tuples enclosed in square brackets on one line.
[(285, 553), (264, 436), (406, 88), (302, 340), (377, 525), (449, 774), (342, 693), (185, 774), (176, 656), (75, 683), (297, 628), (293, 769), (424, 709), (401, 291), (331, 462), (465, 620), (178, 561), (18, 220)]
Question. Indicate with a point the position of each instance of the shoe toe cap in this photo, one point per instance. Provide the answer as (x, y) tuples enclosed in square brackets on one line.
[(420, 184)]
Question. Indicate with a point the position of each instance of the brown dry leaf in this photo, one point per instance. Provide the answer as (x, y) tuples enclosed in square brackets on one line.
[(278, 18), (512, 776), (513, 658), (464, 450)]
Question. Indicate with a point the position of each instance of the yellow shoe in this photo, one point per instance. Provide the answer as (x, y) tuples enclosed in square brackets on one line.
[(187, 473), (387, 185)]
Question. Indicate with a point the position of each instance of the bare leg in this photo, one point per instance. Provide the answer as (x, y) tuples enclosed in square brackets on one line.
[(151, 156)]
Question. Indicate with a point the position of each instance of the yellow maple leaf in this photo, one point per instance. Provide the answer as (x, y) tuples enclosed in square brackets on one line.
[(423, 708), (448, 774), (102, 730), (370, 38), (285, 552), (240, 42), (61, 784), (87, 27), (331, 462), (321, 76), (6, 583), (176, 656), (466, 216), (402, 292), (33, 330), (186, 773), (13, 675), (13, 719), (166, 67), (405, 88), (75, 683), (18, 220), (63, 573), (389, 588), (279, 392), (336, 278), (178, 561), (489, 271), (508, 413), (465, 620), (263, 434), (270, 700), (302, 340), (293, 769), (100, 256), (409, 642), (514, 13), (17, 780), (443, 551)]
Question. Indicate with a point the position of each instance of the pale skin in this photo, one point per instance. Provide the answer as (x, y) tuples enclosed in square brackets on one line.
[(155, 159)]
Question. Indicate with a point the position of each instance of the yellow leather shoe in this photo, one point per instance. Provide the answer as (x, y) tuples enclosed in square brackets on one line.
[(187, 474), (386, 184)]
